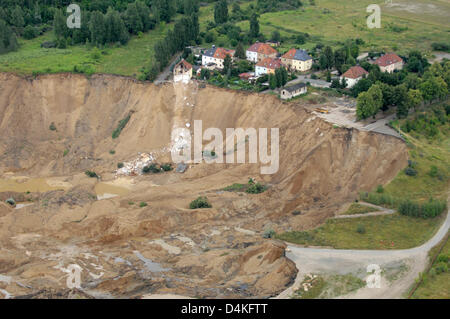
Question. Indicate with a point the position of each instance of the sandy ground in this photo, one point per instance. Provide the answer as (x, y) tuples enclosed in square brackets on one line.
[(141, 237)]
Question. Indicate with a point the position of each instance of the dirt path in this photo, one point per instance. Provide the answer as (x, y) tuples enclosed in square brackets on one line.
[(411, 261), (381, 211)]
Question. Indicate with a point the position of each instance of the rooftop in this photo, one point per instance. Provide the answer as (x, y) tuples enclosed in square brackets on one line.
[(355, 72), (294, 87), (270, 63), (388, 59), (262, 48), (297, 54)]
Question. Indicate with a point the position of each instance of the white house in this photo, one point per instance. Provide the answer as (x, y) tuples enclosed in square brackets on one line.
[(353, 75), (182, 71), (267, 66), (260, 51), (216, 56), (389, 62)]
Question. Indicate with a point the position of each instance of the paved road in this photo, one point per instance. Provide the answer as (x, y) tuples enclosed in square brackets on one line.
[(344, 261), (304, 79), (381, 126), (164, 75)]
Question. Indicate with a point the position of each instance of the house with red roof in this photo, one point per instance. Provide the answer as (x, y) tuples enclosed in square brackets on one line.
[(267, 66), (353, 75), (389, 62), (297, 60), (260, 51), (213, 58), (182, 71)]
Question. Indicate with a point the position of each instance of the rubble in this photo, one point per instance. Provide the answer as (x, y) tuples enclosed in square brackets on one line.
[(135, 166)]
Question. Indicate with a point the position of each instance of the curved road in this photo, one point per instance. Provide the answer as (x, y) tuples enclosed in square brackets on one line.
[(344, 261)]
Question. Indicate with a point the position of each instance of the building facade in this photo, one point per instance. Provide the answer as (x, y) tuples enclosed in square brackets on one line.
[(290, 92), (260, 51), (297, 60), (182, 71), (213, 58), (353, 75), (267, 66), (390, 62)]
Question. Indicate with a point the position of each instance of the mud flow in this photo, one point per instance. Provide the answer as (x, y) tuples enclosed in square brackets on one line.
[(132, 234)]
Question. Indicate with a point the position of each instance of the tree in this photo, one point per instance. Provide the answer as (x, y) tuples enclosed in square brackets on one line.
[(284, 76), (328, 76), (361, 86), (227, 64), (17, 17), (97, 27), (59, 24), (368, 103), (132, 18), (272, 82), (164, 9), (190, 7), (328, 57), (343, 83), (279, 77), (339, 59), (240, 53), (364, 106), (254, 26), (115, 27), (221, 12), (37, 13), (276, 36), (354, 50), (8, 40), (414, 99)]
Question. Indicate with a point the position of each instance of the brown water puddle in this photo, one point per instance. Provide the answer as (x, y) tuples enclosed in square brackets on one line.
[(33, 185), (106, 190)]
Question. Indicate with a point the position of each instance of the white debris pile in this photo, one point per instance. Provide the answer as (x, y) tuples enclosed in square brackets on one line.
[(181, 141), (135, 166)]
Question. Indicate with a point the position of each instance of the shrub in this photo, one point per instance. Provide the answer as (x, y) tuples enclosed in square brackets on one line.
[(142, 204), (166, 167), (11, 201), (121, 126), (30, 32), (91, 174), (361, 229), (430, 209), (112, 152), (234, 188), (442, 258), (152, 168), (256, 188), (410, 171), (269, 233), (380, 189), (200, 202), (441, 267), (119, 165), (52, 127)]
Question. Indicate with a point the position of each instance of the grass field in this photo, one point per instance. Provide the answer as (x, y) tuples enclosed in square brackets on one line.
[(123, 60), (332, 22), (435, 286), (380, 232)]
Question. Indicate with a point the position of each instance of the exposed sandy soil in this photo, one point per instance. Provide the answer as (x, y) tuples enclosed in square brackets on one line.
[(164, 248)]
